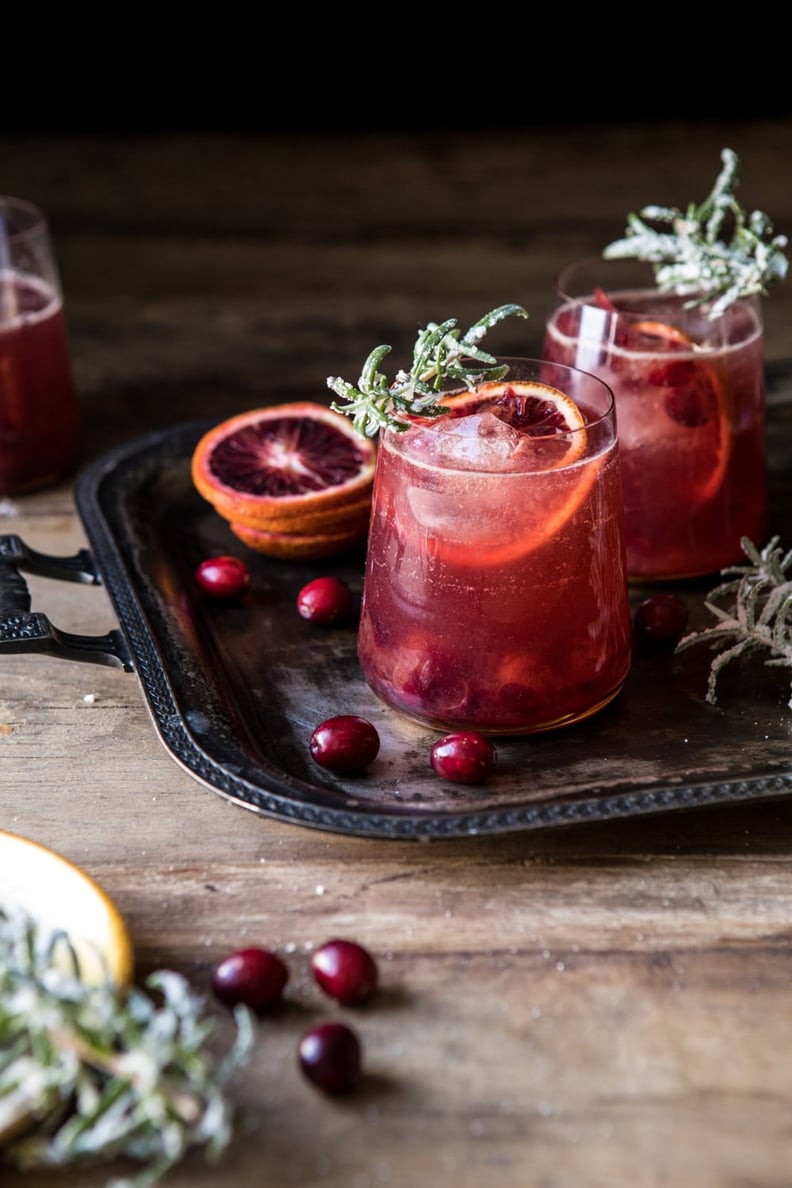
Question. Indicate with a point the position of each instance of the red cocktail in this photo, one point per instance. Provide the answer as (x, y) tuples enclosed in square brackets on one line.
[(495, 594), (691, 412), (39, 410)]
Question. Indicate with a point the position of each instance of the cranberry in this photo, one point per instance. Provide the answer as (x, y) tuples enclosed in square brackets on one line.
[(345, 970), (603, 301), (223, 577), (660, 620), (466, 757), (330, 1056), (254, 976), (687, 407), (325, 600), (345, 744)]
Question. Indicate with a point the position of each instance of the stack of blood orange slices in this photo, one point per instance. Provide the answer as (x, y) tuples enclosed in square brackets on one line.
[(293, 480)]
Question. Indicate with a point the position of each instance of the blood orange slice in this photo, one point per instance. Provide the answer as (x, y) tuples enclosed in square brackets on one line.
[(532, 408), (328, 519), (284, 464), (553, 435), (695, 401), (297, 546)]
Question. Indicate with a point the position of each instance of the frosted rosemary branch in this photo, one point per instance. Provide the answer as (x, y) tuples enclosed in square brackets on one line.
[(758, 616), (89, 1072), (695, 257), (442, 355)]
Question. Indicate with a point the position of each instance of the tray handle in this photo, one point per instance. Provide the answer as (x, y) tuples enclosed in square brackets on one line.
[(23, 630)]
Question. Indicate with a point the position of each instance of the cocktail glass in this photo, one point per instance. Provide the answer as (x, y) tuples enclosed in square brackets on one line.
[(690, 404), (495, 595), (39, 408)]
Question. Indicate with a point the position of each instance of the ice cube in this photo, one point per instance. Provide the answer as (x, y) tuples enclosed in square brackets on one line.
[(477, 442)]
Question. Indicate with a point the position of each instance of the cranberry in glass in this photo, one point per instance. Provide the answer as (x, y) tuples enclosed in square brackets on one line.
[(254, 976), (223, 577), (330, 1056), (325, 600), (346, 743), (345, 971), (660, 620), (465, 757)]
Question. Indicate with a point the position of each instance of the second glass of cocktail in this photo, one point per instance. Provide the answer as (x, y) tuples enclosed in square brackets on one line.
[(495, 594), (691, 410), (39, 406), (670, 318)]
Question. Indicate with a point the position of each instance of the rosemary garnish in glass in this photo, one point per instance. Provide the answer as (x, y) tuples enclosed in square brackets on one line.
[(90, 1072), (442, 355), (758, 615), (696, 256)]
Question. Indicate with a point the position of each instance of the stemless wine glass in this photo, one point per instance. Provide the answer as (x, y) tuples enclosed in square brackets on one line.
[(495, 594), (690, 404), (39, 407)]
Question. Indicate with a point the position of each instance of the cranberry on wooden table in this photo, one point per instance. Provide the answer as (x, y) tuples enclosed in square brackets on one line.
[(223, 577), (345, 971), (254, 976), (330, 1057)]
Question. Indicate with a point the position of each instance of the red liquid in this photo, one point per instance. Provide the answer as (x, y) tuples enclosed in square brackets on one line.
[(39, 409), (691, 419), (495, 599)]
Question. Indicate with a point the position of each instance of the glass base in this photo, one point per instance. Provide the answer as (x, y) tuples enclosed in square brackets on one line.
[(447, 726)]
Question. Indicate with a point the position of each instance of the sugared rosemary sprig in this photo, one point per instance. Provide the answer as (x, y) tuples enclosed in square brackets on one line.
[(758, 614), (442, 355), (89, 1072), (695, 257)]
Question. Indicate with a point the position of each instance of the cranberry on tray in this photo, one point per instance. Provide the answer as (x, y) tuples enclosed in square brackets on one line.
[(225, 576)]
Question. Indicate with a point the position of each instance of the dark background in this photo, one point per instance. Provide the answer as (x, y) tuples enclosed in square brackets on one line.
[(392, 68)]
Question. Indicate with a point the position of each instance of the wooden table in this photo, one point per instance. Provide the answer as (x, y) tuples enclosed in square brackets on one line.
[(604, 1005)]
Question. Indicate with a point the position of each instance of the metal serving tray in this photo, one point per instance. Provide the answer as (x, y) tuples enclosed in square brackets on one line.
[(235, 690)]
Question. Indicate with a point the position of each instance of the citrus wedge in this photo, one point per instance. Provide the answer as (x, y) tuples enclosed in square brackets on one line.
[(65, 901), (696, 401), (552, 435), (293, 480), (532, 408), (296, 546), (288, 462), (331, 519)]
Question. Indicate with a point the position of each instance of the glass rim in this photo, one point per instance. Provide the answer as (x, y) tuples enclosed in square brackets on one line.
[(630, 268), (36, 221), (593, 416), (595, 263), (589, 377)]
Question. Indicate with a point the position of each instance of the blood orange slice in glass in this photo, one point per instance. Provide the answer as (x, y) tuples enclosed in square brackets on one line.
[(544, 463), (696, 415), (533, 409), (288, 466)]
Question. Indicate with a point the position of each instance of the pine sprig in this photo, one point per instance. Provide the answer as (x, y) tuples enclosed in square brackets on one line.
[(758, 615), (696, 257), (90, 1072), (442, 356)]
